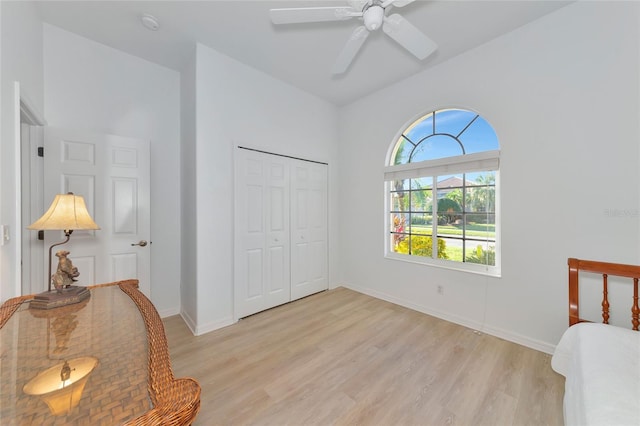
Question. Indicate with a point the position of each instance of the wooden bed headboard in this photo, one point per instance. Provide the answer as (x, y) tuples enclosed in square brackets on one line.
[(605, 269)]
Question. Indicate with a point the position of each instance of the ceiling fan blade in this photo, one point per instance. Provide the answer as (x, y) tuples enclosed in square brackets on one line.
[(357, 4), (349, 51), (408, 36), (312, 14), (396, 3), (401, 3)]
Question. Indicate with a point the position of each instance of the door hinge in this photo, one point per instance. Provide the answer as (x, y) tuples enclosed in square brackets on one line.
[(40, 151)]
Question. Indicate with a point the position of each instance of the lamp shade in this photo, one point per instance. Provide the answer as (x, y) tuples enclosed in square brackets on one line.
[(66, 213), (61, 386)]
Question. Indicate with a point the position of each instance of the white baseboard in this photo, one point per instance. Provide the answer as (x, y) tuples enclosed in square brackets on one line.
[(191, 324), (465, 322), (198, 330), (169, 312), (206, 328)]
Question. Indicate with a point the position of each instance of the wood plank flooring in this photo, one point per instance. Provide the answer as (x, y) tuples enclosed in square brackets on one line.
[(344, 358)]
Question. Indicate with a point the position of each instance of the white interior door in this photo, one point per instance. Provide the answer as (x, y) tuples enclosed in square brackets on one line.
[(262, 250), (112, 174), (309, 267)]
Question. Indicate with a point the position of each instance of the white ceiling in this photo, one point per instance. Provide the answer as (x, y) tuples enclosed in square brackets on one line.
[(300, 54)]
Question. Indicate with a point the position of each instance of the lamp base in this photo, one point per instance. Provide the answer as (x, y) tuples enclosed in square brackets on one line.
[(52, 299)]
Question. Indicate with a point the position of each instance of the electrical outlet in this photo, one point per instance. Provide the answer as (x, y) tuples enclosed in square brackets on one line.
[(441, 290)]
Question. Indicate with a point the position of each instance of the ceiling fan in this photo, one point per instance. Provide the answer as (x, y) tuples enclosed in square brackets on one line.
[(373, 14)]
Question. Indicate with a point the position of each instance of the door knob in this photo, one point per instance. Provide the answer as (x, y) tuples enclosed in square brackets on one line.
[(140, 243)]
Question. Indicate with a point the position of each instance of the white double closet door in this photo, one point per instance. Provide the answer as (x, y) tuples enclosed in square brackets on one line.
[(280, 250)]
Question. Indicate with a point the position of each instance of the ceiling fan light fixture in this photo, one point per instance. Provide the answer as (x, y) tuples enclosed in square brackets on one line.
[(372, 17)]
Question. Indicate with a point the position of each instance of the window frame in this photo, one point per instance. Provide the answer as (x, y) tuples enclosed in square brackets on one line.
[(461, 164)]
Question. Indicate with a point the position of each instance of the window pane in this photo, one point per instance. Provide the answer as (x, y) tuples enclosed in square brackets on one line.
[(480, 199), (484, 254), (421, 201), (453, 121), (398, 222), (450, 249), (399, 185), (481, 178), (421, 224), (450, 225), (437, 146), (398, 230), (421, 129), (399, 243), (487, 176), (450, 199), (480, 226), (421, 183), (402, 152), (479, 137), (399, 202), (450, 181), (421, 246)]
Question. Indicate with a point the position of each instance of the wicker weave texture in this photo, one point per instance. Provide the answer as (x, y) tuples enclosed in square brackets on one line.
[(175, 401), (10, 306)]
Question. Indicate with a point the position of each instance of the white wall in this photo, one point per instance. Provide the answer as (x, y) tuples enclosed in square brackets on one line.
[(238, 105), (94, 87), (188, 183), (21, 61), (562, 95)]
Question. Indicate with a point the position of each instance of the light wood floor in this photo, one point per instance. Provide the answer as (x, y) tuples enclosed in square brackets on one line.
[(341, 357)]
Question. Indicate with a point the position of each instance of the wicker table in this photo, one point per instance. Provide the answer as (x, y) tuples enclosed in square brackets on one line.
[(130, 383)]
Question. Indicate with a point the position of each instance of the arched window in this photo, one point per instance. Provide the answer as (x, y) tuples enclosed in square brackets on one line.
[(442, 186)]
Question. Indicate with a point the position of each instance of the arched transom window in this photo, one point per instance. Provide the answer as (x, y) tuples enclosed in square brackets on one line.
[(442, 186)]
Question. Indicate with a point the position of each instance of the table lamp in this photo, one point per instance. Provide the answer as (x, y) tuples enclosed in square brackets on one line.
[(67, 213)]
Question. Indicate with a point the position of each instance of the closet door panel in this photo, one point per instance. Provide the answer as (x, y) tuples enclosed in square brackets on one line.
[(254, 282), (309, 270), (250, 234), (261, 254), (253, 246), (278, 275)]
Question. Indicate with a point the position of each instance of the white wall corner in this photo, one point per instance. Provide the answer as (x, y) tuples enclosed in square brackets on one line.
[(188, 321), (165, 313), (198, 330), (214, 325)]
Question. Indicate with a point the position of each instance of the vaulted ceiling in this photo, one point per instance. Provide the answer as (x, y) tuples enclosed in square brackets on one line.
[(300, 54)]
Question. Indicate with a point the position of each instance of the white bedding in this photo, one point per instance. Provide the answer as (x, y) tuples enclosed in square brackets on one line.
[(601, 364)]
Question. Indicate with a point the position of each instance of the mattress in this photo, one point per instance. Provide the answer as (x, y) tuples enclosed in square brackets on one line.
[(601, 364)]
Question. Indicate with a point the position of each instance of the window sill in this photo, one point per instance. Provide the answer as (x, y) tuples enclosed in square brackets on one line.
[(490, 271)]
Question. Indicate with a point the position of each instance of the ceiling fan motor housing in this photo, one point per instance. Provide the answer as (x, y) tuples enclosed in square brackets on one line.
[(373, 13), (373, 16)]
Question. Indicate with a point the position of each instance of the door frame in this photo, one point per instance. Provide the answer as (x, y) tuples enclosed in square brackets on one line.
[(28, 113)]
